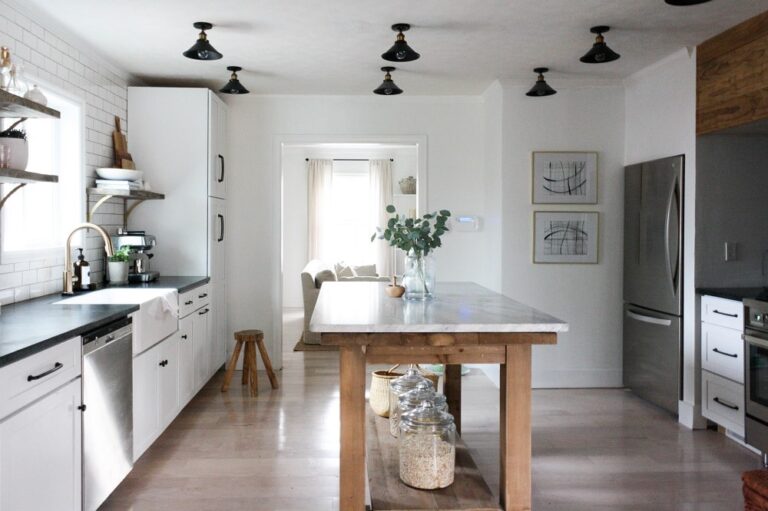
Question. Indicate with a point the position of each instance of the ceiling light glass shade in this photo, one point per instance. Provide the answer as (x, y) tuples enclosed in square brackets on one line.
[(202, 49), (387, 87), (234, 86), (400, 51), (600, 53), (684, 3), (541, 88)]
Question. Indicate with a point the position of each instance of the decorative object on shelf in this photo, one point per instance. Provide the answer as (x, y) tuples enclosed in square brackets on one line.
[(36, 95), (414, 398), (5, 156), (541, 88), (202, 49), (123, 159), (234, 86), (387, 87), (565, 237), (427, 447), (118, 265), (411, 380), (407, 185), (6, 66), (394, 290), (111, 173), (18, 83), (417, 237), (15, 140), (685, 3), (400, 51), (378, 396), (564, 177), (600, 53)]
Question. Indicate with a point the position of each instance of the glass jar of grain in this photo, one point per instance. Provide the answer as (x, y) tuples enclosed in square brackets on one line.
[(411, 380), (427, 447), (413, 399)]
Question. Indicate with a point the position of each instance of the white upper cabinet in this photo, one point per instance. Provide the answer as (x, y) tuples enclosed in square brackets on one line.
[(217, 165)]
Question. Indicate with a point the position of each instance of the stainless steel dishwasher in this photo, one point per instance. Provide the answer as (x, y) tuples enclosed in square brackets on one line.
[(107, 410)]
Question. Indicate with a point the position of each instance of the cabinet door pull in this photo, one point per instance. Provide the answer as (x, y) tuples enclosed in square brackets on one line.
[(221, 227), (190, 302), (56, 367), (732, 355), (203, 312), (725, 404), (81, 408), (725, 314), (163, 363), (203, 295), (220, 179), (184, 336)]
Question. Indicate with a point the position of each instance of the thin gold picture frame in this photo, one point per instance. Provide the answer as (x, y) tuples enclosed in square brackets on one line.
[(533, 178)]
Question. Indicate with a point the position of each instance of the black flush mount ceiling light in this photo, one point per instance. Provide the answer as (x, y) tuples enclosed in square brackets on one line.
[(388, 87), (202, 49), (600, 53), (400, 51), (234, 86), (541, 88), (685, 3)]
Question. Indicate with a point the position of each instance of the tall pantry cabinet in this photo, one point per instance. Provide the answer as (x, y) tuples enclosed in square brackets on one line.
[(178, 138)]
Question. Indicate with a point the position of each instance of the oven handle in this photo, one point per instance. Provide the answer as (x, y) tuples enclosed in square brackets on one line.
[(763, 343)]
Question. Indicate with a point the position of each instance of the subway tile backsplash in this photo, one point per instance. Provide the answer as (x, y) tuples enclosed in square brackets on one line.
[(50, 56)]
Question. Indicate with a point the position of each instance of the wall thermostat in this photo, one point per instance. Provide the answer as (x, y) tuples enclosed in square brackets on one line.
[(465, 223)]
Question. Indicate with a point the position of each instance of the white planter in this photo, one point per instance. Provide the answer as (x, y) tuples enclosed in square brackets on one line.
[(19, 152), (118, 272)]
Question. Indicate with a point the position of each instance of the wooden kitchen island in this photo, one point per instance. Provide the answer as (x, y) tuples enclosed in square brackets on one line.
[(464, 323)]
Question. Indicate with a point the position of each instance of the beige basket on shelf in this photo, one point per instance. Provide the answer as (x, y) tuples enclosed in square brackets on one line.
[(379, 394)]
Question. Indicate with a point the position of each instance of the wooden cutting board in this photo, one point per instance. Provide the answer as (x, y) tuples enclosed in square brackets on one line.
[(123, 159)]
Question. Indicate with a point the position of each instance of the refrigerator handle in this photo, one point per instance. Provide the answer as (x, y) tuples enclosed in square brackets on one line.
[(673, 206), (648, 319)]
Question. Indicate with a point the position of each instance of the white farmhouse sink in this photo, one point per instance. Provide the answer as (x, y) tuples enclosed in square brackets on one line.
[(156, 319)]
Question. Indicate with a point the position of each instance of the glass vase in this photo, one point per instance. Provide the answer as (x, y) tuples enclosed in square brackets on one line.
[(419, 277)]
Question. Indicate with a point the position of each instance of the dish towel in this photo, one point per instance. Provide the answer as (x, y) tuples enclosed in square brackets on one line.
[(167, 303)]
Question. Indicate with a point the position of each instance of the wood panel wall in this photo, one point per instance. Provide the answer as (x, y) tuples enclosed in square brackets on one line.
[(732, 77)]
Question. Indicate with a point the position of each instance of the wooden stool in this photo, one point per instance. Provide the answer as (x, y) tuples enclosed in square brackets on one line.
[(251, 338), (755, 490)]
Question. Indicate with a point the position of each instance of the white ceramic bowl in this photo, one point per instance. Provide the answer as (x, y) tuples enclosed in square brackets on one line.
[(120, 174)]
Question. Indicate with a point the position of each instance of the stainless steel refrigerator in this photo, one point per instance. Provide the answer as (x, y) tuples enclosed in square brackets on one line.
[(653, 275)]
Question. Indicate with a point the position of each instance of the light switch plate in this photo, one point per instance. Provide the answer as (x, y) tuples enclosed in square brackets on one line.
[(730, 251)]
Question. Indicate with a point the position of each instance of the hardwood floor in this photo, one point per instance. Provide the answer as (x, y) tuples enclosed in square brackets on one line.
[(592, 449)]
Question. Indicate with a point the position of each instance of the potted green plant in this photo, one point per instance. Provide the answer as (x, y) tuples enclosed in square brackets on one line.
[(418, 238), (118, 266), (15, 140)]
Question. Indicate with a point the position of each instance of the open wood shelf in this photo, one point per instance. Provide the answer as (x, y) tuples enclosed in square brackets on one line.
[(12, 105), (469, 490), (138, 196), (22, 176)]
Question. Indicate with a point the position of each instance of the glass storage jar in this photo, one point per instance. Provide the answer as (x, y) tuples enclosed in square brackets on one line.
[(411, 380), (413, 399), (427, 447)]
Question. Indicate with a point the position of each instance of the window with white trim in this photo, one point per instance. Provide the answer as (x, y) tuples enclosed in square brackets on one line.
[(35, 221), (350, 229)]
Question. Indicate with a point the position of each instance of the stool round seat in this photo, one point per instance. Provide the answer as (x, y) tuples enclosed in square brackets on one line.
[(252, 339)]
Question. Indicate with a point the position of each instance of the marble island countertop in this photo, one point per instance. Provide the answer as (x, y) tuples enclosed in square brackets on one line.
[(364, 307)]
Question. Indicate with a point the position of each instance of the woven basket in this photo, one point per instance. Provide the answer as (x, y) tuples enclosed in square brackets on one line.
[(379, 394), (755, 490)]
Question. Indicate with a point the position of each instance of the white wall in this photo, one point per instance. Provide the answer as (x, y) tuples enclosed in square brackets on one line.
[(660, 122), (581, 117), (731, 180), (453, 127), (294, 168)]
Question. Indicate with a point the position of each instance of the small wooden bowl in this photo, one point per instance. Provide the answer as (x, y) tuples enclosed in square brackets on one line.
[(395, 291)]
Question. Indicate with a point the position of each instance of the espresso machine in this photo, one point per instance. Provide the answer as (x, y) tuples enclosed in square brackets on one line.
[(139, 244)]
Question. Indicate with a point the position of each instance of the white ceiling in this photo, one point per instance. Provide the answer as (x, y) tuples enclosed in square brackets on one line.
[(334, 46)]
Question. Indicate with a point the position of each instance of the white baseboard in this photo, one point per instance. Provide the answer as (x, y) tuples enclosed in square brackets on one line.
[(562, 379)]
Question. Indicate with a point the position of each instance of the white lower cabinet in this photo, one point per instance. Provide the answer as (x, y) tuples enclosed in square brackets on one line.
[(155, 392), (187, 385), (40, 454), (201, 336)]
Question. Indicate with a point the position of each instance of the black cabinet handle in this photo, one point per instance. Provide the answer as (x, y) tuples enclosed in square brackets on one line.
[(56, 367), (725, 314), (163, 363), (727, 405), (81, 408), (221, 176), (203, 312), (203, 295), (190, 302), (221, 225), (732, 355), (184, 336)]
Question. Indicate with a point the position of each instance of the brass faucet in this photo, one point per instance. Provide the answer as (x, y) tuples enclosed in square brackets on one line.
[(68, 276)]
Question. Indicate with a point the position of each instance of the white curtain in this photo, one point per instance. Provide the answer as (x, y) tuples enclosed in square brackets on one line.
[(380, 179), (319, 200)]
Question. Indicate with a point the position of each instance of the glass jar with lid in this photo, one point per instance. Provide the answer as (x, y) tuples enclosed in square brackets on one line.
[(411, 380), (427, 447), (413, 399)]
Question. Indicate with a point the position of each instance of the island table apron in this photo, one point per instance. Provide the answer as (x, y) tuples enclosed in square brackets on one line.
[(466, 323)]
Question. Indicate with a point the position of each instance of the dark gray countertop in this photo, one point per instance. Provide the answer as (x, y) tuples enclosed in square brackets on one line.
[(734, 293), (35, 325)]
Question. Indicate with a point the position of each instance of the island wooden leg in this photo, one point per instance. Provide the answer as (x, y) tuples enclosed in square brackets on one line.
[(352, 405), (452, 391), (515, 429)]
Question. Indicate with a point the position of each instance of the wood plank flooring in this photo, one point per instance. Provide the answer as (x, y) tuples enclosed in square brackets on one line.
[(595, 450)]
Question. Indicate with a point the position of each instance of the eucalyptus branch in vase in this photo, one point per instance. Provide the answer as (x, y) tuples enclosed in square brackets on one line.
[(417, 237)]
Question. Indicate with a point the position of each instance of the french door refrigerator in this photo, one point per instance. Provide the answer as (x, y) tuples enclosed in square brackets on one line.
[(653, 269)]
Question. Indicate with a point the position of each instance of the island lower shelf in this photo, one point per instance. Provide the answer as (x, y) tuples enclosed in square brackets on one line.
[(387, 493)]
